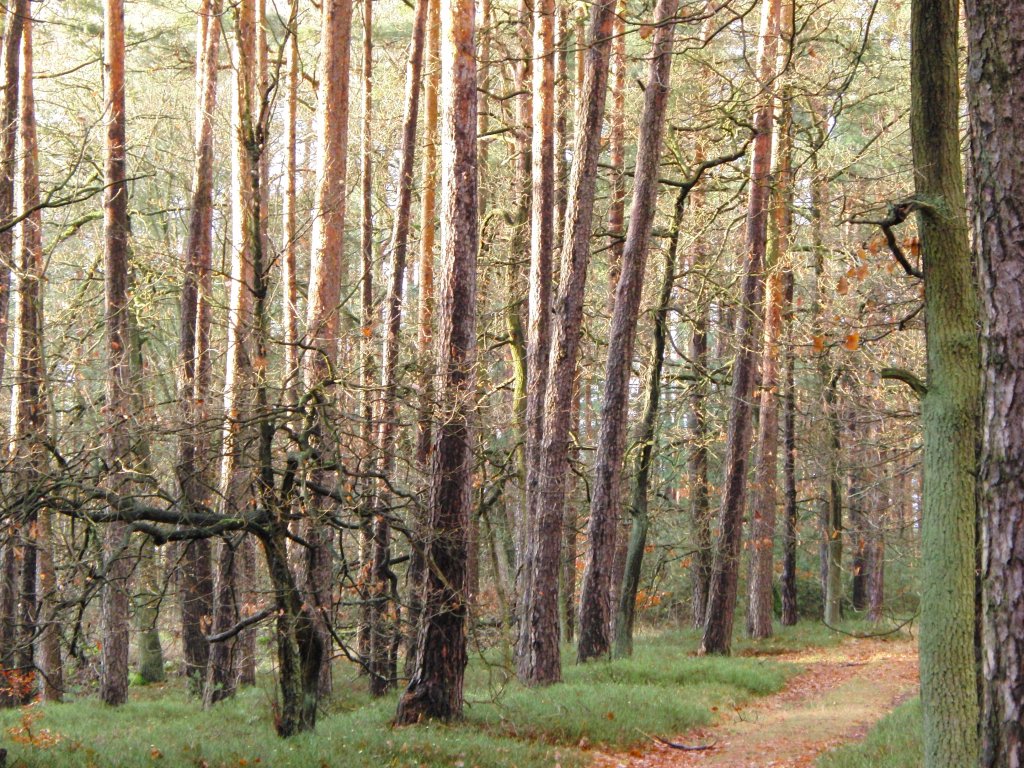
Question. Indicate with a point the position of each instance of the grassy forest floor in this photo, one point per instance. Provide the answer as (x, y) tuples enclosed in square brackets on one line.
[(605, 712)]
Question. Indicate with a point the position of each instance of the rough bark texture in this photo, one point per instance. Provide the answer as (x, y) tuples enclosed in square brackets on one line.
[(765, 495), (595, 595), (996, 68), (951, 408), (325, 283), (239, 433), (114, 610), (29, 400), (193, 469), (547, 506), (539, 329), (435, 689), (646, 434), (722, 592)]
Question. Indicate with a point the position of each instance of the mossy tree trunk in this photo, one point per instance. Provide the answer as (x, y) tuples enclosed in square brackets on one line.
[(951, 406)]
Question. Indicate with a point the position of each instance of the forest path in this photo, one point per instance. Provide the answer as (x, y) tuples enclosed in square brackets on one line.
[(841, 693)]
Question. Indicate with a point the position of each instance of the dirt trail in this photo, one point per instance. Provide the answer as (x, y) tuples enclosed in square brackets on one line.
[(840, 694)]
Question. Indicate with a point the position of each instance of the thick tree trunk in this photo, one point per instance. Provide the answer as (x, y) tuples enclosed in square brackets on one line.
[(194, 461), (382, 637), (547, 505), (723, 588), (996, 68), (114, 610), (595, 596), (435, 689), (951, 409)]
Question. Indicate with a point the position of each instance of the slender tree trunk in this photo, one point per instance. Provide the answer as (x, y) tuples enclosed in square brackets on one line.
[(381, 636), (539, 331), (595, 596), (114, 611), (723, 587), (951, 409), (194, 461), (28, 399), (289, 250), (616, 142), (790, 612), (547, 505), (765, 496), (9, 60), (435, 689), (833, 522), (325, 283), (646, 436), (425, 341), (239, 432), (996, 41)]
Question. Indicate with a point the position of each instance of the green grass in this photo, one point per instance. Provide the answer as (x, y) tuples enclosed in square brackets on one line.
[(895, 742), (664, 690)]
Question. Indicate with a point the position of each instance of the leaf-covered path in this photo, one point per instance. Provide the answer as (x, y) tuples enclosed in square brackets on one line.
[(840, 694)]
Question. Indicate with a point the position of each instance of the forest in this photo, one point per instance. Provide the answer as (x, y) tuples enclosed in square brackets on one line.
[(512, 383)]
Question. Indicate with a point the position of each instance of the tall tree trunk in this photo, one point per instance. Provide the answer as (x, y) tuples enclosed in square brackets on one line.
[(765, 496), (790, 612), (381, 636), (239, 435), (289, 250), (596, 593), (325, 283), (435, 689), (114, 611), (10, 58), (996, 67), (547, 505), (194, 461), (28, 397), (425, 340), (723, 587), (539, 330), (951, 409), (646, 435)]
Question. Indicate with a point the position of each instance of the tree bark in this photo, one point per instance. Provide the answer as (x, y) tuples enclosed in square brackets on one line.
[(765, 496), (539, 329), (951, 408), (240, 429), (547, 505), (325, 283), (436, 687), (646, 436), (114, 610), (29, 399), (595, 595), (996, 66), (193, 468), (723, 587), (381, 637)]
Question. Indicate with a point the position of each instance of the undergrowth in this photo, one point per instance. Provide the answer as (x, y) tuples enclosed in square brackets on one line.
[(663, 690), (894, 742)]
